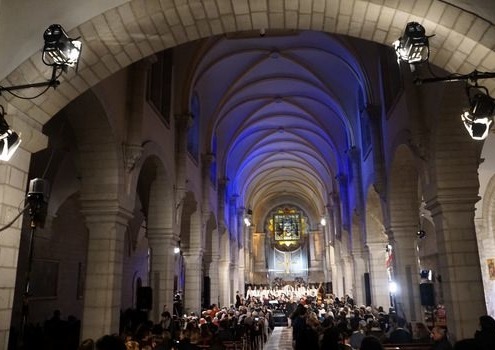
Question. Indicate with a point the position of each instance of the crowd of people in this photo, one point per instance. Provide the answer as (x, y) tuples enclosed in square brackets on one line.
[(315, 322)]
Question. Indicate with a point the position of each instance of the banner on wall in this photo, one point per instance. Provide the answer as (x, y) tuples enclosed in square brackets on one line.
[(491, 268)]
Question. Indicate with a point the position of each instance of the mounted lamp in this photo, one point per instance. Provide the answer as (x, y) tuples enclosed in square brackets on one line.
[(59, 49), (479, 118), (413, 48), (59, 52), (9, 139)]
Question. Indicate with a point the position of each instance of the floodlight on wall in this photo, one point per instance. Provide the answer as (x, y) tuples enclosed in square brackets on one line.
[(59, 49), (248, 218), (478, 119), (59, 52), (413, 48), (323, 221), (9, 139)]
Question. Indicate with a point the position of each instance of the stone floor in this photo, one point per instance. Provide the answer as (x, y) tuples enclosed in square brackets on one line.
[(280, 339)]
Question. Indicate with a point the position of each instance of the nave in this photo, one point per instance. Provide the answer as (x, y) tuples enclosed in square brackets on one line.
[(280, 339)]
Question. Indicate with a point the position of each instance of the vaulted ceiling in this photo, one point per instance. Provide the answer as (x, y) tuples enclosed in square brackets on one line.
[(282, 112)]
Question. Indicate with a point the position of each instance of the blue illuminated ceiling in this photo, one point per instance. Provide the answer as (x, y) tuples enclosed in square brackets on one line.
[(284, 110)]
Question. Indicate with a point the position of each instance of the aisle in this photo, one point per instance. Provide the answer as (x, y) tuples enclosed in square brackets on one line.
[(281, 339)]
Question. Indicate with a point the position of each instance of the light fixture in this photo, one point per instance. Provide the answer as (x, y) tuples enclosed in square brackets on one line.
[(59, 49), (9, 139), (421, 233), (247, 217), (479, 118), (176, 250), (59, 52), (247, 221), (323, 221), (413, 47), (393, 287)]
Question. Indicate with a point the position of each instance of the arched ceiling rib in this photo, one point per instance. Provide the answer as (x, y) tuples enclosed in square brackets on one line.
[(283, 112)]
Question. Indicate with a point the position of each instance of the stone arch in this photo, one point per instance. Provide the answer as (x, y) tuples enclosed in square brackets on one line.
[(100, 161), (116, 37)]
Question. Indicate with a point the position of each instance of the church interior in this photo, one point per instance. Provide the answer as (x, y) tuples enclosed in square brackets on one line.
[(205, 147)]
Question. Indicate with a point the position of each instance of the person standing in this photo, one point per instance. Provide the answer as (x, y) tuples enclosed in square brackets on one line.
[(440, 340)]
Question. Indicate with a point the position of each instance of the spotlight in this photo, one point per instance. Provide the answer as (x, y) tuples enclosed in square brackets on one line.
[(59, 52), (247, 221), (9, 139), (176, 250), (413, 46), (247, 217), (59, 49), (479, 118), (421, 234), (323, 221), (393, 287)]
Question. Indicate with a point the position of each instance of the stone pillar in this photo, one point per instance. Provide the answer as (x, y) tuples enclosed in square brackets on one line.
[(337, 270), (162, 270), (102, 293), (182, 124), (453, 215), (378, 275), (360, 265), (312, 249), (193, 260), (213, 272), (348, 274), (374, 113), (406, 271), (13, 180), (14, 176), (224, 271)]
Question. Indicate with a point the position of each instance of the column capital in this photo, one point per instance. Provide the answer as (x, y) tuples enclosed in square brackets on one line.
[(102, 211)]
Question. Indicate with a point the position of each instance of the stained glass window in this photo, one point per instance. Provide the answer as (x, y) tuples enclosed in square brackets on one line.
[(287, 225)]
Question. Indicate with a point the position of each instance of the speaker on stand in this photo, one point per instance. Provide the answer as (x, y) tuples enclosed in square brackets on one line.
[(144, 298)]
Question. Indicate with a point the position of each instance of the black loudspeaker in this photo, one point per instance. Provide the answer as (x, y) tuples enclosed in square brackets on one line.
[(329, 288), (367, 288), (427, 294), (206, 292), (144, 298)]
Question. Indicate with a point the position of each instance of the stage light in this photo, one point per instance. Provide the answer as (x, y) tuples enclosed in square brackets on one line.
[(479, 118), (413, 47), (9, 139), (59, 52), (59, 49)]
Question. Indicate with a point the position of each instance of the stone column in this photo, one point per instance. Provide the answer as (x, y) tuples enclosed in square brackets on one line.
[(374, 113), (360, 265), (224, 271), (378, 275), (348, 274), (162, 245), (213, 272), (406, 271), (193, 260), (453, 215), (182, 124), (337, 270), (102, 293), (13, 180)]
